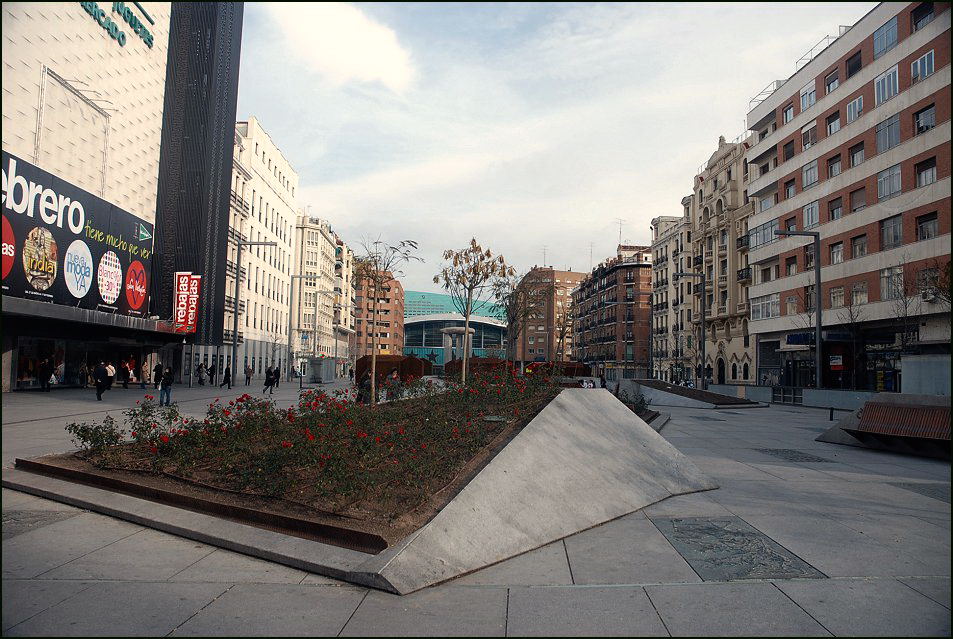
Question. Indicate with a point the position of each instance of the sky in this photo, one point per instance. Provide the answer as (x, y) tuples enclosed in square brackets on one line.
[(522, 125)]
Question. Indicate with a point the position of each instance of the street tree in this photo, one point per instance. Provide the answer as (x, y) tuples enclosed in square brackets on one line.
[(517, 298), (468, 277)]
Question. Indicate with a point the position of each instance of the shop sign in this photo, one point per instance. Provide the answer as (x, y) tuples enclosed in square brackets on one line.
[(112, 27), (837, 362), (186, 301), (64, 245), (799, 339)]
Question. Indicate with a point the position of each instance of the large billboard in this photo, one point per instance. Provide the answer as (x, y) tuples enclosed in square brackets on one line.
[(64, 245)]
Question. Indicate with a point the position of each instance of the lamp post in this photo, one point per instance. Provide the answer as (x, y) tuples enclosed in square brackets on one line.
[(238, 287), (817, 297), (704, 294)]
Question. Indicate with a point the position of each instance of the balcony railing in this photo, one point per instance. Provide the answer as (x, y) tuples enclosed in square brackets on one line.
[(744, 274), (697, 260), (227, 337), (722, 309), (722, 280), (240, 203), (741, 243)]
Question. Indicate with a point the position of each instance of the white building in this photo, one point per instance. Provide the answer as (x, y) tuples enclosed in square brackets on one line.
[(674, 351)]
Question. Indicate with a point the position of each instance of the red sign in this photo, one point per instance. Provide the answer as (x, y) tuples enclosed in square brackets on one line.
[(183, 302), (136, 285), (191, 317), (9, 247)]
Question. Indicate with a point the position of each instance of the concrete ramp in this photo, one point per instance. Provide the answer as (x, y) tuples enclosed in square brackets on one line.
[(659, 393), (584, 460)]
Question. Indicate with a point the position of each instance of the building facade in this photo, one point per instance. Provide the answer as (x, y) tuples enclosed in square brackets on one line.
[(719, 223), (613, 315), (673, 348), (425, 303), (84, 89), (548, 329), (390, 318), (855, 146), (424, 337)]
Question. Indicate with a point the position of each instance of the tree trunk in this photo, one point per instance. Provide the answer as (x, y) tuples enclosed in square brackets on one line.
[(374, 348), (466, 335)]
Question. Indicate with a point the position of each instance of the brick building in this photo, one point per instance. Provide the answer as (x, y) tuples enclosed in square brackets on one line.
[(540, 340), (390, 318)]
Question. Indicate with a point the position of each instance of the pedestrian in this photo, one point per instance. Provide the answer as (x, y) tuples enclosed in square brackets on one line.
[(364, 389), (276, 374), (143, 376), (249, 371), (350, 374), (211, 374), (165, 388), (157, 374), (44, 373), (602, 381), (200, 372), (123, 373), (101, 377), (111, 375), (227, 378), (393, 383), (269, 382), (84, 375)]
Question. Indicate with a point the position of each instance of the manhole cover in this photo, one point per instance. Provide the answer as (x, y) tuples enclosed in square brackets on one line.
[(790, 454), (936, 491), (727, 548)]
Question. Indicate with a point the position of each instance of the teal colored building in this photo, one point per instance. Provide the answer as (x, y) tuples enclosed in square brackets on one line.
[(417, 303)]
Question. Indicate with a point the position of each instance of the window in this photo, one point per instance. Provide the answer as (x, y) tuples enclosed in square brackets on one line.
[(766, 306), (809, 175), (928, 279), (926, 172), (922, 16), (924, 120), (891, 283), (927, 226), (888, 133), (856, 154), (833, 123), (788, 151), (810, 299), (790, 305), (835, 209), (789, 189), (790, 224), (885, 86), (790, 266), (837, 296), (859, 293), (922, 67), (809, 136), (830, 82), (811, 215), (888, 182), (891, 232), (833, 166), (854, 64), (855, 108), (788, 113), (808, 96), (858, 246), (762, 234), (766, 275), (808, 256), (885, 38), (837, 253), (766, 203)]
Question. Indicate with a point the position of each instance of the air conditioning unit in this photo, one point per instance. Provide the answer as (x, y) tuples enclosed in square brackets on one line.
[(928, 295)]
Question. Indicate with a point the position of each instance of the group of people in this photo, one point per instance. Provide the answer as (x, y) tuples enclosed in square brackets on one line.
[(390, 388), (104, 375)]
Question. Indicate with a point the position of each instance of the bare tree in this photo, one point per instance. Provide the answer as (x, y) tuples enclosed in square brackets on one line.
[(563, 325), (468, 278), (375, 268), (518, 297), (903, 289), (852, 316)]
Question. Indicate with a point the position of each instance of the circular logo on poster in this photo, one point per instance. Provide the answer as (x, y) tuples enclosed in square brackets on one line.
[(39, 258), (78, 268), (109, 277), (9, 247), (136, 285)]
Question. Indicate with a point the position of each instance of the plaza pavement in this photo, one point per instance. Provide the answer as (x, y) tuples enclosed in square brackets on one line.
[(827, 540)]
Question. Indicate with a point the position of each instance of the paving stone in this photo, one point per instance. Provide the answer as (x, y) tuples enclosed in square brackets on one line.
[(731, 609), (936, 491), (562, 612), (936, 588), (691, 505), (15, 500), (541, 567), (629, 550), (224, 566), (727, 548), (122, 609), (870, 607), (17, 522), (790, 454), (24, 598), (439, 611), (792, 471), (249, 610)]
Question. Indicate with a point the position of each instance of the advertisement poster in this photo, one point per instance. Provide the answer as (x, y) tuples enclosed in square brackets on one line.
[(186, 301), (64, 245)]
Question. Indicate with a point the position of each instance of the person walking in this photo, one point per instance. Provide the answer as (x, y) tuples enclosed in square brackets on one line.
[(143, 376), (111, 375), (227, 378), (101, 377), (200, 372), (602, 381), (44, 372), (248, 373), (350, 374), (276, 373), (269, 382), (84, 375), (157, 374), (211, 374), (123, 373), (165, 388)]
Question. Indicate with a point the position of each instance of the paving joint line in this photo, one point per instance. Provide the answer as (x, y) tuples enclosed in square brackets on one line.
[(572, 578), (192, 616), (657, 613), (354, 612), (802, 608), (923, 594), (669, 542), (78, 592), (213, 550), (506, 615), (66, 563)]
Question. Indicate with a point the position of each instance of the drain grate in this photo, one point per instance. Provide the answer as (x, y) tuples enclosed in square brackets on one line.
[(936, 491), (792, 455), (728, 548)]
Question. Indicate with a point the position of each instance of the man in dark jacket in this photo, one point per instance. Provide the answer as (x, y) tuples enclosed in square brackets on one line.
[(157, 374), (165, 390), (101, 377), (44, 372)]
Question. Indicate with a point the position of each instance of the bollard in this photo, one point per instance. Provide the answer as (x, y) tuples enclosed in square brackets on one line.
[(832, 414)]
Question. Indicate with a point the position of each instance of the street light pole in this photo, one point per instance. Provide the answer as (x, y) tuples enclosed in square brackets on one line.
[(704, 285), (817, 297), (238, 287)]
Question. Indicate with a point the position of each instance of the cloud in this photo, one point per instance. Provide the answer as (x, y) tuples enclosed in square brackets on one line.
[(342, 44)]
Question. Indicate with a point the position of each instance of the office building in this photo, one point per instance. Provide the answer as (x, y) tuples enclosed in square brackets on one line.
[(546, 333), (389, 301)]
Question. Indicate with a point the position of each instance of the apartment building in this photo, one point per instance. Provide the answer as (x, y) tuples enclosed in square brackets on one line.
[(854, 146), (672, 344), (390, 318), (547, 334), (322, 306), (719, 231), (613, 315)]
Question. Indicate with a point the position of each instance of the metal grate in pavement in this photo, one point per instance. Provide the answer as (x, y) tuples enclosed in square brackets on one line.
[(936, 491), (728, 548), (792, 455)]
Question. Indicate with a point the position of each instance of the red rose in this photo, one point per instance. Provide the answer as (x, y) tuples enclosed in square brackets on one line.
[(135, 434), (164, 439), (286, 444), (154, 450)]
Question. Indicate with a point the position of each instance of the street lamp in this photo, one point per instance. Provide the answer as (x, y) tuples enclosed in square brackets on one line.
[(238, 288), (817, 297), (704, 294)]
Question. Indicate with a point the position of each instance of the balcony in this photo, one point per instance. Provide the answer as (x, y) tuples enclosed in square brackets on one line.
[(235, 236), (722, 250), (230, 305), (227, 337), (722, 280), (240, 204), (230, 270), (741, 243), (661, 354), (744, 274), (697, 260), (743, 307)]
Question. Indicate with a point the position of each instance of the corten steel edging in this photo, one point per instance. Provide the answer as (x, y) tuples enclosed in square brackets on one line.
[(926, 422), (313, 531)]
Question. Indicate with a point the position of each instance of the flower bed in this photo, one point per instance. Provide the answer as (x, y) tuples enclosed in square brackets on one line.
[(390, 464)]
